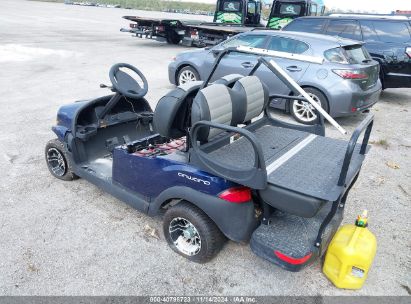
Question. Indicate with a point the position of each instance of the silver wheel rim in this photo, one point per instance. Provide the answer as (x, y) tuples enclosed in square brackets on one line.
[(304, 111), (185, 236), (56, 162), (187, 76)]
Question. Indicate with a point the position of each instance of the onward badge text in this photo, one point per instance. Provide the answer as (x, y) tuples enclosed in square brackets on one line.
[(194, 179)]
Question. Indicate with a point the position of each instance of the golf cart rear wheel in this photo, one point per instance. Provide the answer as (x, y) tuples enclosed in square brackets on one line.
[(191, 233), (303, 111), (57, 161)]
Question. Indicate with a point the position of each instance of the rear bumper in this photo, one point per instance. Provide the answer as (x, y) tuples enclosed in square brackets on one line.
[(289, 241), (126, 30), (365, 101), (137, 31), (143, 33), (269, 254), (350, 99)]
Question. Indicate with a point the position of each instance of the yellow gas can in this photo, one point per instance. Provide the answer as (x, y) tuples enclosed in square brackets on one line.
[(350, 255)]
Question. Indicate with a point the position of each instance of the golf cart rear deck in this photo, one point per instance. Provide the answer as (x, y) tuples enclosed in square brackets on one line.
[(308, 178), (301, 178)]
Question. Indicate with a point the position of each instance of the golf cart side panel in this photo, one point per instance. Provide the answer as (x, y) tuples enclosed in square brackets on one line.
[(131, 170), (236, 221), (131, 198)]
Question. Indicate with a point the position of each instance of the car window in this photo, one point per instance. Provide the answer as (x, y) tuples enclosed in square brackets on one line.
[(306, 25), (368, 32), (246, 40), (335, 55), (356, 53), (290, 9), (251, 7), (231, 6), (345, 28), (313, 9), (282, 44), (386, 31)]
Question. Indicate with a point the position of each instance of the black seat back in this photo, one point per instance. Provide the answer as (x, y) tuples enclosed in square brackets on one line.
[(172, 113)]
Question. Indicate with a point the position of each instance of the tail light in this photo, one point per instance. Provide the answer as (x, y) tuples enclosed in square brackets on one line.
[(351, 74), (160, 28), (173, 58), (408, 51), (194, 34), (291, 260), (133, 25), (236, 195)]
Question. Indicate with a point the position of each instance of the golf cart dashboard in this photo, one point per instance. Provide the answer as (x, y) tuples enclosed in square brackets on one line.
[(125, 110)]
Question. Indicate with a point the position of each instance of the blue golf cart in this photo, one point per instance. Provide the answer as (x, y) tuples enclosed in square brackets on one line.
[(214, 162)]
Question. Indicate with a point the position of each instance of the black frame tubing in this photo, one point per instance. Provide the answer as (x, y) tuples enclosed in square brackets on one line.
[(366, 125), (255, 177)]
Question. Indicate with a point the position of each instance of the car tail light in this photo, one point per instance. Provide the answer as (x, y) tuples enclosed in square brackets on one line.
[(160, 28), (291, 260), (194, 34), (174, 58), (133, 25), (351, 74), (408, 51), (236, 195)]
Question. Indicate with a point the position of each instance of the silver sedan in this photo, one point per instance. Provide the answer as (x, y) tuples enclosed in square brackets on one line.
[(345, 83)]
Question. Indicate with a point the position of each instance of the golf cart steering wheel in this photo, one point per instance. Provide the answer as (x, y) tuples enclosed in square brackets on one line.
[(126, 85)]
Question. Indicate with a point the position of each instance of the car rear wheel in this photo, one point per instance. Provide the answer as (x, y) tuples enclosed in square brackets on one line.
[(191, 233), (303, 111), (187, 74), (57, 162)]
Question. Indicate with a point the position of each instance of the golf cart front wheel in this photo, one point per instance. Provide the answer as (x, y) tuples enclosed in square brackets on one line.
[(191, 233), (57, 161)]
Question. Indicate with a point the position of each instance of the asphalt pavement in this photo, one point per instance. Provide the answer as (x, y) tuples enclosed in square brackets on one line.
[(70, 238)]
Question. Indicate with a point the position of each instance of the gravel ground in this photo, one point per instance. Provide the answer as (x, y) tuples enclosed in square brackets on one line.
[(70, 238)]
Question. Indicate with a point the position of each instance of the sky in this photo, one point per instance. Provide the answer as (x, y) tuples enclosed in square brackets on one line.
[(379, 6)]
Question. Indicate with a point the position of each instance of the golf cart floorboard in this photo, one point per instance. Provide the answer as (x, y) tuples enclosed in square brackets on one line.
[(292, 235), (297, 161), (101, 167)]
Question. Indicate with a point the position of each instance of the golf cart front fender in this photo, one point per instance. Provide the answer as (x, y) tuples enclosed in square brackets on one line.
[(236, 221), (60, 131)]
